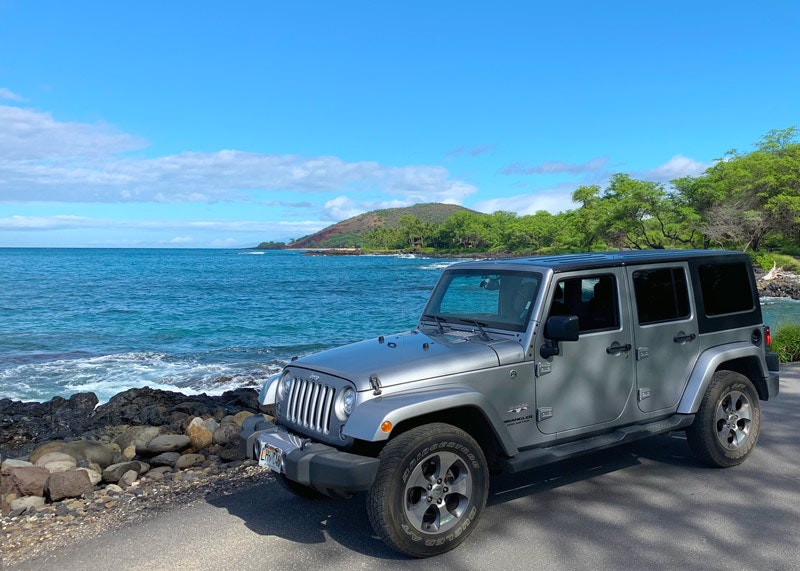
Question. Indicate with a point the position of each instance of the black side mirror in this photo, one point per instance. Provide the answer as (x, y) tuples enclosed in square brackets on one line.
[(562, 328), (559, 328)]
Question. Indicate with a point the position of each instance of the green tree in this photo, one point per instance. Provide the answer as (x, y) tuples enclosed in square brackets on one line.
[(412, 230), (590, 221), (642, 214), (532, 233), (466, 231), (744, 198), (383, 238)]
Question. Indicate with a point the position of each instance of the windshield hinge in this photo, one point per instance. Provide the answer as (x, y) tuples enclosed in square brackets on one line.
[(375, 383)]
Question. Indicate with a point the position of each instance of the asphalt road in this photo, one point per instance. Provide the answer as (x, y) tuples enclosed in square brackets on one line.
[(648, 505)]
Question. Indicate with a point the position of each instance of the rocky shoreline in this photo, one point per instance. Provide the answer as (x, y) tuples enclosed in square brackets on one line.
[(778, 283), (70, 469)]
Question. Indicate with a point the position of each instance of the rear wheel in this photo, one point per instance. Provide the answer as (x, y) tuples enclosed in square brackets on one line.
[(726, 427), (430, 490)]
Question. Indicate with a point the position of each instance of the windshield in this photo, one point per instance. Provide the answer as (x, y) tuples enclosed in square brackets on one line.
[(502, 299)]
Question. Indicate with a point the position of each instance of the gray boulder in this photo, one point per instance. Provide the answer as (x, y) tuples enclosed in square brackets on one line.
[(138, 436), (21, 505), (127, 479), (189, 460), (50, 457), (9, 463), (167, 443), (165, 459), (43, 449), (90, 451), (114, 472), (227, 433)]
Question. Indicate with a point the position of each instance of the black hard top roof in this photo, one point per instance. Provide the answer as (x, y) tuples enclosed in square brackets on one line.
[(570, 262)]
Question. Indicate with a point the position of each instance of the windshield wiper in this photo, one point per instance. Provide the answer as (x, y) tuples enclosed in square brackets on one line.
[(477, 324), (438, 319)]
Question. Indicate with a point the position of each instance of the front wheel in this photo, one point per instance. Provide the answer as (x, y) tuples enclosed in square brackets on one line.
[(430, 490), (725, 429)]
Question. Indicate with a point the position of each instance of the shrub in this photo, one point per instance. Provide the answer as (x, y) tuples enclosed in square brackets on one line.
[(766, 260), (786, 342)]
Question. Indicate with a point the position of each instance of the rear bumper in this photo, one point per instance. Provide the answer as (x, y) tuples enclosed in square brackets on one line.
[(324, 468)]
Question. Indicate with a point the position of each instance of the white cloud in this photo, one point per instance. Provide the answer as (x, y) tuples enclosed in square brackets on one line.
[(552, 200), (50, 161), (677, 167), (557, 167), (28, 136), (46, 222), (181, 240), (63, 222), (341, 208), (9, 95)]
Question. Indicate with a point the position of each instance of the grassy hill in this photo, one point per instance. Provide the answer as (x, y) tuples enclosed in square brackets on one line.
[(350, 233)]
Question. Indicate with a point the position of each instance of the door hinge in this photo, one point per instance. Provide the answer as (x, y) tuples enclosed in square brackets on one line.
[(643, 394), (542, 368), (642, 353), (544, 413)]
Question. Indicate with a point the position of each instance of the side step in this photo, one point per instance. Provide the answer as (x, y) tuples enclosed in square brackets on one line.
[(541, 456)]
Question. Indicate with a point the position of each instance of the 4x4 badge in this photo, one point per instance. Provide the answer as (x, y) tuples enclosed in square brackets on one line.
[(519, 408)]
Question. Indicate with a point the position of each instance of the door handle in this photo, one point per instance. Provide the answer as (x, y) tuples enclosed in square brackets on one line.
[(681, 338), (617, 349)]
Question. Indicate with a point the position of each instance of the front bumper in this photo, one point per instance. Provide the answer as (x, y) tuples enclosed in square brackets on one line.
[(324, 468)]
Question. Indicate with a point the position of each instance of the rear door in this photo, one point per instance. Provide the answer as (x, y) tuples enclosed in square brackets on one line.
[(590, 382), (665, 333)]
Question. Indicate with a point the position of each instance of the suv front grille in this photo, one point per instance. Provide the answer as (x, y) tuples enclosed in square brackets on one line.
[(310, 404)]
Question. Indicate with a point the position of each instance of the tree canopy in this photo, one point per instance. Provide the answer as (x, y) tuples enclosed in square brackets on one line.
[(746, 201)]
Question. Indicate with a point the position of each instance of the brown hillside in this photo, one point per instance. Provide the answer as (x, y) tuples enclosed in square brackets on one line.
[(349, 233)]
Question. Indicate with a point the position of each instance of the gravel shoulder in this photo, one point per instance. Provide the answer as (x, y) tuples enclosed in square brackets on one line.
[(73, 521)]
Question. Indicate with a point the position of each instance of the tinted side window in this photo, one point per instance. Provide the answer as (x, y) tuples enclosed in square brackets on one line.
[(661, 295), (592, 298), (726, 288)]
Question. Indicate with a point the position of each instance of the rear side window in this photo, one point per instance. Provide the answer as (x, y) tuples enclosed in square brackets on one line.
[(726, 288), (661, 295)]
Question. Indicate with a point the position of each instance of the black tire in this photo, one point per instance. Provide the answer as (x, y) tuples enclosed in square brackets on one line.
[(430, 490), (299, 489), (725, 429)]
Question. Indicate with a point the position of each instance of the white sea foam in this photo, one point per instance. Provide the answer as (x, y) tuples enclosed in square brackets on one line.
[(440, 265), (108, 375)]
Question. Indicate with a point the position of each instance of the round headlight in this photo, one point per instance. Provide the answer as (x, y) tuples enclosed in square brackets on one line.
[(284, 386), (348, 401)]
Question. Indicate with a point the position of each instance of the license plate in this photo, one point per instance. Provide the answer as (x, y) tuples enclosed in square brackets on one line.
[(271, 457)]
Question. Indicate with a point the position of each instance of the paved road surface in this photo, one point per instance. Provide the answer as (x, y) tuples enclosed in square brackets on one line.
[(648, 505)]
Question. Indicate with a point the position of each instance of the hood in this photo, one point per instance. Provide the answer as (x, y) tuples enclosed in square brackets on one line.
[(411, 356)]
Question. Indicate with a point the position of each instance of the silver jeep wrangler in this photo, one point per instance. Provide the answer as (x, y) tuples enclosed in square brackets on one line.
[(515, 364)]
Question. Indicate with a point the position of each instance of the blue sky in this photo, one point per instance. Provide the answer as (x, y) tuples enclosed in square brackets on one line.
[(224, 124)]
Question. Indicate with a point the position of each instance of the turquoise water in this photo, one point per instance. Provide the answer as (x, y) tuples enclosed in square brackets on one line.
[(193, 320), (74, 320)]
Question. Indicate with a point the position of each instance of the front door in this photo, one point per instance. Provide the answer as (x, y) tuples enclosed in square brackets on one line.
[(590, 381)]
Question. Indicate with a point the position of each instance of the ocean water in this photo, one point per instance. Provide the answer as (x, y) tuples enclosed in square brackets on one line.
[(77, 320)]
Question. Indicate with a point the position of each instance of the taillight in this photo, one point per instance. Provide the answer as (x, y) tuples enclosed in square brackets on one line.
[(767, 336)]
